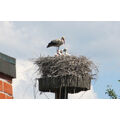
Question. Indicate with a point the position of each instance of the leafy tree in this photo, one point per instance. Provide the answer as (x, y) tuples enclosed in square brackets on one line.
[(111, 92)]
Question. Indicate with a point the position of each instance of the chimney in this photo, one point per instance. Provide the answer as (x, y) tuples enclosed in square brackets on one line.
[(7, 73)]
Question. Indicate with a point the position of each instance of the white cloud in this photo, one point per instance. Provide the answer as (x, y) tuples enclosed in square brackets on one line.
[(8, 36), (22, 42), (90, 94), (23, 84)]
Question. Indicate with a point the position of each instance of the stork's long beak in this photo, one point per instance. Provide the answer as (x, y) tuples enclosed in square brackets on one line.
[(64, 41)]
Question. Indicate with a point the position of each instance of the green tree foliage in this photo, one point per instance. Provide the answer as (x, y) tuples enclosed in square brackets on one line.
[(111, 92)]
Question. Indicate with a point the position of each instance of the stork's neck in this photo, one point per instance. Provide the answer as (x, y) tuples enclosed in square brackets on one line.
[(63, 40)]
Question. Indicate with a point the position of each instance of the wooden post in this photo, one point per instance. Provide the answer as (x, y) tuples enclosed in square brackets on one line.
[(61, 93), (57, 94)]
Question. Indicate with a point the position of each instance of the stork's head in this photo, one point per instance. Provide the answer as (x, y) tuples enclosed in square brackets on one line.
[(65, 50), (63, 39)]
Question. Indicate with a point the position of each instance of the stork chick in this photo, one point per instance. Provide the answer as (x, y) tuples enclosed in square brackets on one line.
[(65, 52), (61, 52)]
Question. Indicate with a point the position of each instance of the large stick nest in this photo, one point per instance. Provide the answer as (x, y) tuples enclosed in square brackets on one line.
[(66, 65)]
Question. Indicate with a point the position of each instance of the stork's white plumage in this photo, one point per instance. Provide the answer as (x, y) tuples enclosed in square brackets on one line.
[(56, 43), (65, 52), (61, 52)]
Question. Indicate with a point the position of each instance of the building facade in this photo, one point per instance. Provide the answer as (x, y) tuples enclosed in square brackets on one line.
[(7, 73)]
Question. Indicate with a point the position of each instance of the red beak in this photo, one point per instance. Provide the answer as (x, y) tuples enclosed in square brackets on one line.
[(64, 41)]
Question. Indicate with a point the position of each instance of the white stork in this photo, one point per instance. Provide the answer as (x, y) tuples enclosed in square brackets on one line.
[(56, 43)]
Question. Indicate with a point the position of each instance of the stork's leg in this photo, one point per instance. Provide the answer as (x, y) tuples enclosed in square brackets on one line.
[(56, 49)]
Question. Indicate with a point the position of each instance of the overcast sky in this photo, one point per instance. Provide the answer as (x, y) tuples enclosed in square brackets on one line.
[(99, 41)]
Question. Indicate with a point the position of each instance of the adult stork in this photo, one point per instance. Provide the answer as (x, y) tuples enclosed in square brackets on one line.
[(56, 43)]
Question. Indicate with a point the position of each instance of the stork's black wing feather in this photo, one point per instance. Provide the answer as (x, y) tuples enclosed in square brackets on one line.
[(52, 43)]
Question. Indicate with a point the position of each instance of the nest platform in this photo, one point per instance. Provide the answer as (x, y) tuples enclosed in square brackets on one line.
[(74, 74)]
